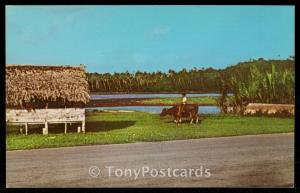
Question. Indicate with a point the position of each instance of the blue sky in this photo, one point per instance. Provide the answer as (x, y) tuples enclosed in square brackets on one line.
[(147, 38)]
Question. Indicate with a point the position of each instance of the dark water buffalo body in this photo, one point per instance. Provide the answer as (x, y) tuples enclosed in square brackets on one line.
[(180, 111)]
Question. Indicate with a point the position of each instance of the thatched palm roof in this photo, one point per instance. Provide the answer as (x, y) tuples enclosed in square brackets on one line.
[(27, 84)]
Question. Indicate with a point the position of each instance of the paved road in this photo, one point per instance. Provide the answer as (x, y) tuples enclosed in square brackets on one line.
[(245, 161)]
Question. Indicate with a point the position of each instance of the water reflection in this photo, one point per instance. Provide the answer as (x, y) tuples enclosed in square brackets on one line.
[(156, 109)]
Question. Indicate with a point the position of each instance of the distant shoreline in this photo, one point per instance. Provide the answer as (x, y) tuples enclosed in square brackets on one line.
[(187, 92), (132, 102)]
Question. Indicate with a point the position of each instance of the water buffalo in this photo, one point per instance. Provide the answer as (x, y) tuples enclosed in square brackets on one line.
[(179, 111)]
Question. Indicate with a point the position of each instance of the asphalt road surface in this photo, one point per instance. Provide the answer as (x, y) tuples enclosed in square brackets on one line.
[(244, 161)]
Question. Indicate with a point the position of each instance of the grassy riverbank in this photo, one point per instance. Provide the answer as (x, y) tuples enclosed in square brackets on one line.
[(130, 127), (203, 100)]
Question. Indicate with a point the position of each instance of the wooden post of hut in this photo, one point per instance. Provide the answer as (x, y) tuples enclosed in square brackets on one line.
[(83, 126), (45, 130), (26, 128), (65, 127)]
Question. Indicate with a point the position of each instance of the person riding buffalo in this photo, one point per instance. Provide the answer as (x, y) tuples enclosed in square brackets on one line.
[(182, 104), (184, 98)]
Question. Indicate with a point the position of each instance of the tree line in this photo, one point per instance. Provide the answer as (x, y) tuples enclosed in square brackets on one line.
[(201, 80)]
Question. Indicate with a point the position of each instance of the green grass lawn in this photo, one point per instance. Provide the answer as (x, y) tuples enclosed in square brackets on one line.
[(204, 100), (111, 128)]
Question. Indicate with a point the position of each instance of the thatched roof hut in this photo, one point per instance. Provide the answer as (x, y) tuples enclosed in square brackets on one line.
[(46, 86)]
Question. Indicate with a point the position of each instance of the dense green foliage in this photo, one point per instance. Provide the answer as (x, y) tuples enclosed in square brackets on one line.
[(193, 80), (260, 83), (111, 128)]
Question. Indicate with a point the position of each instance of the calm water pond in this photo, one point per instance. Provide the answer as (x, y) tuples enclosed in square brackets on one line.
[(156, 109), (95, 96)]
